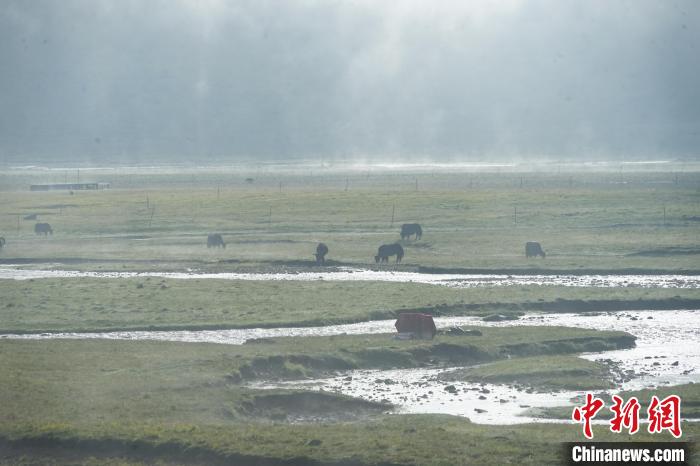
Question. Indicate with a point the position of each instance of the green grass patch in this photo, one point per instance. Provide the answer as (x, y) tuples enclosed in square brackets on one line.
[(93, 381), (116, 402), (392, 440), (543, 373), (163, 219), (153, 303)]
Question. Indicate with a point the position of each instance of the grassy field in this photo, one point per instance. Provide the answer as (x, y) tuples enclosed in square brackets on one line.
[(608, 220), (140, 402), (315, 356), (135, 402), (393, 440), (543, 373), (153, 303)]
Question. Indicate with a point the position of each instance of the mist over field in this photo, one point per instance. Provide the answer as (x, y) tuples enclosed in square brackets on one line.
[(185, 81)]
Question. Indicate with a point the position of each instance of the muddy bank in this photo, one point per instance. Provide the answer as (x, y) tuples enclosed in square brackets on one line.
[(307, 406), (238, 336), (663, 252), (448, 352), (116, 265), (541, 374), (303, 265)]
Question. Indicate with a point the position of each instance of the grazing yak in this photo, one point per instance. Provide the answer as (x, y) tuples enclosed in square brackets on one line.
[(321, 251), (408, 229), (43, 228), (387, 250), (533, 249), (215, 241)]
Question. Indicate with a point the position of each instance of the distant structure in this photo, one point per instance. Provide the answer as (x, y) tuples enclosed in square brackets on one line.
[(68, 186)]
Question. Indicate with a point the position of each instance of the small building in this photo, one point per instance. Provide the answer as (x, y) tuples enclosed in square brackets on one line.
[(68, 186), (416, 325)]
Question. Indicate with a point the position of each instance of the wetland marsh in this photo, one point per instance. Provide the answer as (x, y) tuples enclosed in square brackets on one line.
[(258, 342)]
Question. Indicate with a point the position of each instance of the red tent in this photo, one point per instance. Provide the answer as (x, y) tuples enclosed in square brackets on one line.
[(418, 325)]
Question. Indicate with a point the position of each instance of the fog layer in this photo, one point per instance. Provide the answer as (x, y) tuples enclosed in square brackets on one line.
[(200, 80)]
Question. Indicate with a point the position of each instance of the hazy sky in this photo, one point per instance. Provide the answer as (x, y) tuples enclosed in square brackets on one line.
[(465, 80)]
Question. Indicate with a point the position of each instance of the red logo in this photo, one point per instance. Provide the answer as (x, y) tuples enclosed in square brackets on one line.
[(661, 414), (665, 415), (587, 412), (626, 415)]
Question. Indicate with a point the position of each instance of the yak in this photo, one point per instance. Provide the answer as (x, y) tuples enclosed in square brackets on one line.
[(387, 250), (215, 240), (533, 249), (43, 228), (321, 251), (408, 229)]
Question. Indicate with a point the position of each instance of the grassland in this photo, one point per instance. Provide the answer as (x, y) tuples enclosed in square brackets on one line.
[(89, 304), (134, 402), (139, 402), (316, 356), (543, 373), (394, 440), (602, 221)]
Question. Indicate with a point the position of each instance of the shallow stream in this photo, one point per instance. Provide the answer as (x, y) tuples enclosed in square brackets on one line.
[(664, 338), (666, 353), (15, 272)]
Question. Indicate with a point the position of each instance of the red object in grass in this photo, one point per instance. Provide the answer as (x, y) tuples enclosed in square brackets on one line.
[(419, 325)]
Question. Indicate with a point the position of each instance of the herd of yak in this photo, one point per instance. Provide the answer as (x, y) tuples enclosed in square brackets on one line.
[(385, 251)]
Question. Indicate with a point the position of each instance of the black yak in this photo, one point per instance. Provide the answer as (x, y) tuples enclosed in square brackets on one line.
[(43, 228), (533, 249), (321, 251), (408, 229), (387, 250), (215, 241)]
